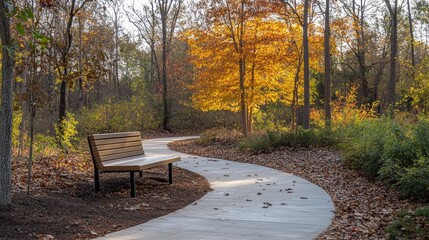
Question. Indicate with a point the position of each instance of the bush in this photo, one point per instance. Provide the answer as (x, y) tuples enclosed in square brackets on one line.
[(45, 145), (414, 181), (369, 143), (301, 138), (116, 117), (410, 225), (65, 132), (219, 135), (395, 153)]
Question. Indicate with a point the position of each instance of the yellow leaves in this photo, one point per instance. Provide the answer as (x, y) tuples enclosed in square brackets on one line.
[(269, 48)]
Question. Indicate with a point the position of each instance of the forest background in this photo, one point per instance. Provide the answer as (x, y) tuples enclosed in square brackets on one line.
[(353, 72)]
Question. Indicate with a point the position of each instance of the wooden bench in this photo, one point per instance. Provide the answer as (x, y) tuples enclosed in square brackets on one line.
[(123, 152)]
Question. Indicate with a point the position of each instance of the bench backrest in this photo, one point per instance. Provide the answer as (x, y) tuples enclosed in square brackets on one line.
[(111, 146)]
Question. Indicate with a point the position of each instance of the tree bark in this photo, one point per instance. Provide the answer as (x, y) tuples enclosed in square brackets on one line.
[(306, 112), (64, 58), (166, 120), (242, 66), (410, 22), (393, 10), (6, 107), (327, 58)]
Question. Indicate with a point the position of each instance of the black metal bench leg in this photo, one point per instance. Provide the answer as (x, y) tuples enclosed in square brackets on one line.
[(133, 184), (97, 179), (170, 173)]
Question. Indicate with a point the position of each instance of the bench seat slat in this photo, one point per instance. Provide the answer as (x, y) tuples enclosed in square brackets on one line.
[(138, 163), (105, 153), (117, 145), (114, 140), (114, 135), (119, 155)]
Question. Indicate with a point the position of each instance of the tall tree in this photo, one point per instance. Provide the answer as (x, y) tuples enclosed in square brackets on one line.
[(393, 12), (169, 12), (327, 55), (410, 22), (303, 19), (357, 10), (71, 9), (6, 105), (159, 15), (116, 6)]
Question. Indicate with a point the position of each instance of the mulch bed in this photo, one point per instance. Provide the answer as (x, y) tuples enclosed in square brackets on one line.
[(363, 208), (63, 205)]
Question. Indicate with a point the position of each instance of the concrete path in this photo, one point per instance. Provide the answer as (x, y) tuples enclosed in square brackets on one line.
[(247, 202)]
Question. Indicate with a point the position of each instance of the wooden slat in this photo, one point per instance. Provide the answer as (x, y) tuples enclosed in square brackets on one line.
[(117, 145), (118, 151), (114, 140), (139, 163), (116, 156), (114, 135)]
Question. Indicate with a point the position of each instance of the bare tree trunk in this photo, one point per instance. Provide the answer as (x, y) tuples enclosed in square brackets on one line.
[(306, 112), (295, 93), (8, 62), (30, 159), (327, 59), (169, 12), (80, 103), (242, 66), (68, 42), (410, 21), (393, 55), (166, 120), (116, 72)]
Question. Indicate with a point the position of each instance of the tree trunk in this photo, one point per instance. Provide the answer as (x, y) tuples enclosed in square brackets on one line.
[(166, 121), (306, 112), (68, 42), (243, 107), (393, 55), (410, 21), (295, 93), (327, 58), (6, 107), (242, 66)]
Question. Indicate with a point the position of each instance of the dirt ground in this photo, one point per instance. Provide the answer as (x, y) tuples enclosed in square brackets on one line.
[(62, 203)]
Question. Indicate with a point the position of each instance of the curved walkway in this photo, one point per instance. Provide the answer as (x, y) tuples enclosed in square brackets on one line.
[(247, 202)]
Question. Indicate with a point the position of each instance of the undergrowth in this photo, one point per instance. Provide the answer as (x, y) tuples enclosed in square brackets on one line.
[(301, 138), (410, 225)]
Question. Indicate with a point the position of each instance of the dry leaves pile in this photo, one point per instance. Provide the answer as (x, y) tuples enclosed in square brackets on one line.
[(363, 208), (58, 173), (62, 203)]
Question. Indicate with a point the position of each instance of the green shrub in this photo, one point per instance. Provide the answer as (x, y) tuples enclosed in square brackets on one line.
[(414, 180), (65, 132), (45, 145), (410, 225), (219, 135), (392, 152), (301, 138), (367, 144), (16, 122), (116, 117)]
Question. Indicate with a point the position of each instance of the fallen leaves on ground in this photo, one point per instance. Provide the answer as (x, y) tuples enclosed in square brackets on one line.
[(363, 208), (63, 205)]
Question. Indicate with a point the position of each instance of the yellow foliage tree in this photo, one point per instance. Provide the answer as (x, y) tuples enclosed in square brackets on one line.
[(246, 58)]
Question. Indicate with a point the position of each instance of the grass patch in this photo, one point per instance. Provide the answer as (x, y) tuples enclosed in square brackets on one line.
[(410, 225)]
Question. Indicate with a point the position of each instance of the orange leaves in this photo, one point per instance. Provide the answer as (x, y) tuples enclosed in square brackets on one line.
[(251, 33)]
